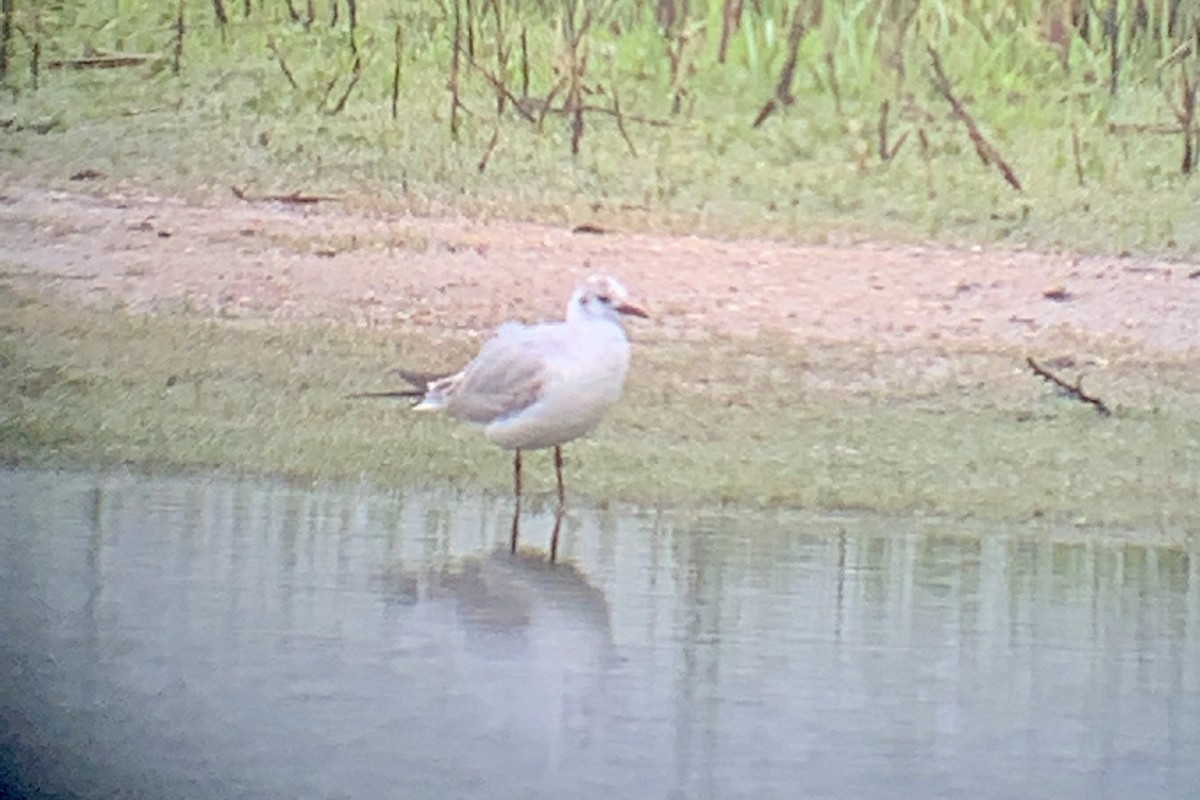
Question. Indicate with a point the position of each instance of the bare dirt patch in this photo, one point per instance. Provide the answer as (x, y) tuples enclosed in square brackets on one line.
[(284, 261)]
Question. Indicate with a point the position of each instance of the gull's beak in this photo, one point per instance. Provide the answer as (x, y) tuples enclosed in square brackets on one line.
[(632, 311)]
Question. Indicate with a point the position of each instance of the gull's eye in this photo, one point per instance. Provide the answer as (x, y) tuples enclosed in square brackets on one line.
[(603, 298)]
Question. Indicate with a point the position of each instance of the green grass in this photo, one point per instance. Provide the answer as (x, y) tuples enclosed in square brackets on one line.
[(812, 172), (768, 423), (703, 424)]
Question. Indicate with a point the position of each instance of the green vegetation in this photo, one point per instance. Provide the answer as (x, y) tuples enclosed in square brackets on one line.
[(1091, 104), (983, 441)]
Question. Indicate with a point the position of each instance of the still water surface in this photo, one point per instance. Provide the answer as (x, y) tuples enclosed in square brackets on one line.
[(212, 638)]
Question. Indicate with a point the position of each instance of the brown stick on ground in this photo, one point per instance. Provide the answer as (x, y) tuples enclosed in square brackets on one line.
[(783, 89), (987, 152), (1075, 391), (106, 61), (295, 198)]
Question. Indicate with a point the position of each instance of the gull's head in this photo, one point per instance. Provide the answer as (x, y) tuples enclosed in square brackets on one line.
[(602, 297)]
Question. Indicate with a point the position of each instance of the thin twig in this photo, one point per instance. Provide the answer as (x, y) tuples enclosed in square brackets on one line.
[(500, 87), (105, 61), (222, 16), (783, 89), (621, 121), (986, 151), (293, 198), (455, 104), (487, 153), (731, 18), (1077, 151), (927, 159), (6, 34), (287, 73), (180, 30), (524, 63), (355, 74), (883, 130), (835, 88), (396, 69), (1075, 391)]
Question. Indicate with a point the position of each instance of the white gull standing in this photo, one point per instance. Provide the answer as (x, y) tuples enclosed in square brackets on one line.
[(542, 385)]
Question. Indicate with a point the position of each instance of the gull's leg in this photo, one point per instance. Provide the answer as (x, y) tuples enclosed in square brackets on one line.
[(517, 507), (558, 515), (558, 518), (562, 501)]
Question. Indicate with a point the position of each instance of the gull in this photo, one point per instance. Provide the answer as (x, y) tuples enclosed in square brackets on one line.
[(542, 385)]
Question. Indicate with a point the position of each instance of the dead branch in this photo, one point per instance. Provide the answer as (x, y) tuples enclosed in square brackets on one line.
[(524, 63), (883, 130), (287, 72), (887, 150), (731, 19), (455, 56), (355, 74), (1135, 128), (1077, 152), (352, 14), (1112, 29), (501, 89), (294, 198), (396, 69), (1074, 391), (6, 34), (835, 88), (987, 152), (1186, 115), (104, 61), (180, 30), (926, 158), (783, 89), (546, 107), (487, 153), (575, 32), (221, 15), (502, 54), (675, 41), (558, 86), (621, 122)]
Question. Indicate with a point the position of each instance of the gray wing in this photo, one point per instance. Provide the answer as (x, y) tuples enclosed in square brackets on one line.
[(507, 376)]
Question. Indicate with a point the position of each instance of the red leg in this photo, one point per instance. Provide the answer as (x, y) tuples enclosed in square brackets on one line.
[(558, 514), (558, 464), (558, 518), (516, 524)]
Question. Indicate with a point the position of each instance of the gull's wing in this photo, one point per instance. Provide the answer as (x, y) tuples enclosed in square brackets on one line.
[(509, 374)]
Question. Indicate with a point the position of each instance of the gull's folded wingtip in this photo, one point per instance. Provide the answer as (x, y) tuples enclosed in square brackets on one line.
[(394, 394), (420, 382)]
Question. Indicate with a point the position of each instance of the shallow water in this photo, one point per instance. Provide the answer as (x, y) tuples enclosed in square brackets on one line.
[(212, 638)]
